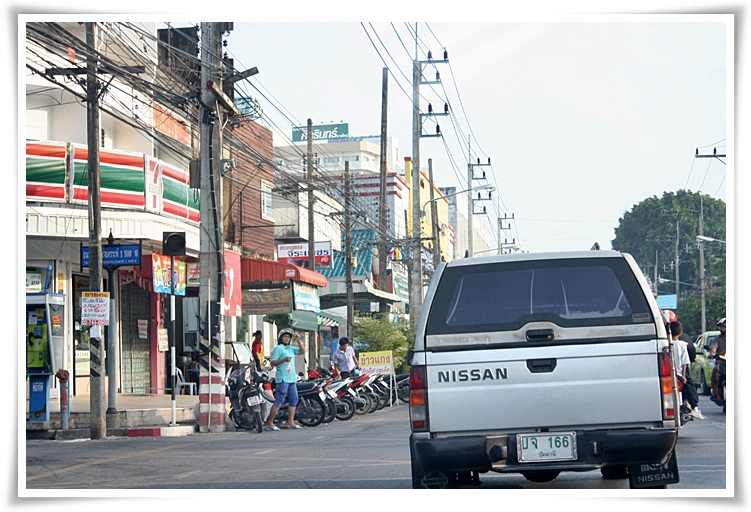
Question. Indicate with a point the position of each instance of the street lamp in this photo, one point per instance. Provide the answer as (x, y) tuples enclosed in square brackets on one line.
[(702, 238), (487, 186)]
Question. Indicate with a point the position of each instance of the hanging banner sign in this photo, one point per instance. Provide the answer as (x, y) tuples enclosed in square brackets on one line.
[(161, 266), (267, 302)]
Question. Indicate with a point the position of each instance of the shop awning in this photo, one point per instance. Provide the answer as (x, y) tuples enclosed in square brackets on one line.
[(257, 273), (335, 294), (331, 320)]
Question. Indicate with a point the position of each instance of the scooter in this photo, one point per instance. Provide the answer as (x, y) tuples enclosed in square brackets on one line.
[(245, 401)]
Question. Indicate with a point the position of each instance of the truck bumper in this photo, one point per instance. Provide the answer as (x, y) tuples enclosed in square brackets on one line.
[(595, 448)]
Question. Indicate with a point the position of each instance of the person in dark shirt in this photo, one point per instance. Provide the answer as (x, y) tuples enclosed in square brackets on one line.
[(717, 348)]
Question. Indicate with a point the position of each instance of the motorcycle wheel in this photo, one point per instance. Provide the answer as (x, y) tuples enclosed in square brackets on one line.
[(330, 412), (403, 392), (374, 402), (364, 409), (258, 420), (382, 401), (316, 406), (348, 406)]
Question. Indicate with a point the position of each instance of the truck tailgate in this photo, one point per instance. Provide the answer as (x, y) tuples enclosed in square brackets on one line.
[(559, 386)]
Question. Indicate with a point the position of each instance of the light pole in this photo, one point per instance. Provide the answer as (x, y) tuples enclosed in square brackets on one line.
[(487, 187)]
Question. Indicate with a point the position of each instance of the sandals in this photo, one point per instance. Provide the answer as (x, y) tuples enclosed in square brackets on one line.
[(296, 427), (271, 429)]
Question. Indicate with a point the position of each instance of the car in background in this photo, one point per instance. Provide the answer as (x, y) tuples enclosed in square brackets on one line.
[(701, 369)]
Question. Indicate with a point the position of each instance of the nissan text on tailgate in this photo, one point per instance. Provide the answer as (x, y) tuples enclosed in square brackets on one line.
[(542, 363)]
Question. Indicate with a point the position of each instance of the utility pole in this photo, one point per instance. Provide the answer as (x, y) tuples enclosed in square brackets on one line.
[(701, 267), (212, 395), (348, 253), (677, 261), (435, 228), (97, 412), (382, 204), (313, 345), (415, 299), (471, 200)]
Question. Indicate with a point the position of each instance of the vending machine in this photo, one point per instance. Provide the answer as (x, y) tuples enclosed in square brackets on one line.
[(45, 348)]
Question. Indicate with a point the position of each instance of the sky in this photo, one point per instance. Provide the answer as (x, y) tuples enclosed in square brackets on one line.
[(581, 119)]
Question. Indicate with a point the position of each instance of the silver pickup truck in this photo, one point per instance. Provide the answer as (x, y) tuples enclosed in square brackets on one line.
[(542, 363)]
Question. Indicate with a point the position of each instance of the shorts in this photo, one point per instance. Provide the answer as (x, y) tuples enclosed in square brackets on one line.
[(282, 390)]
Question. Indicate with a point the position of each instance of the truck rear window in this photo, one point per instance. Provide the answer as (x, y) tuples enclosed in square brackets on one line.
[(508, 295)]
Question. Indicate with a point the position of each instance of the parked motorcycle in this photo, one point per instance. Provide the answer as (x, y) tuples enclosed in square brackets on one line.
[(310, 408), (245, 401), (341, 388)]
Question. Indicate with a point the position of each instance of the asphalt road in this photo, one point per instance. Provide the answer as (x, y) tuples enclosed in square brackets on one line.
[(367, 452)]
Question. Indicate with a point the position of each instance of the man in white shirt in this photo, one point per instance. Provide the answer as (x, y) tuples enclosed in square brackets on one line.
[(344, 360)]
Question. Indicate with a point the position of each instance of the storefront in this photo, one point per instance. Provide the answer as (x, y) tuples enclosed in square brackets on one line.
[(287, 296)]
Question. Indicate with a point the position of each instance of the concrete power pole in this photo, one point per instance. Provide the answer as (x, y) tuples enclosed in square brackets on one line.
[(212, 395), (415, 296), (434, 219), (348, 254), (97, 412), (382, 204), (313, 345)]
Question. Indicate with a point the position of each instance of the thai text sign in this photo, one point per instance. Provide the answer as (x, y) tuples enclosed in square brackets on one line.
[(95, 308), (321, 132), (297, 254), (377, 362), (115, 255)]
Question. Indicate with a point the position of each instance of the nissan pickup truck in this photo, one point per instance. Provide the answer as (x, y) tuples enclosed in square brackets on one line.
[(538, 363)]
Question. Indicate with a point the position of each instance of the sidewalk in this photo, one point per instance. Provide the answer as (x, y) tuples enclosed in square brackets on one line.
[(137, 415)]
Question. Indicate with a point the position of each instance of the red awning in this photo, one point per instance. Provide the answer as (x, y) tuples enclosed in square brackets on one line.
[(273, 274)]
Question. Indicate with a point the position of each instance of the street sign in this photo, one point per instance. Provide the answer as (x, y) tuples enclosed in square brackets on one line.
[(115, 255)]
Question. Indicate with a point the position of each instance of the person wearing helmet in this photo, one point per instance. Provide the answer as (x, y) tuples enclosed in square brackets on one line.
[(716, 349), (282, 358)]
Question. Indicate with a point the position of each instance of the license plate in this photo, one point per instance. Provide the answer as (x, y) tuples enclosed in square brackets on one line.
[(254, 400), (322, 396), (550, 446), (331, 393)]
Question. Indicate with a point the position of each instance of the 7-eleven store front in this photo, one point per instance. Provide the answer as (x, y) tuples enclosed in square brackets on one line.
[(141, 198)]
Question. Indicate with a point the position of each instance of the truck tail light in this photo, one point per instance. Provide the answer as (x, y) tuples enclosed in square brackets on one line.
[(666, 386), (418, 399)]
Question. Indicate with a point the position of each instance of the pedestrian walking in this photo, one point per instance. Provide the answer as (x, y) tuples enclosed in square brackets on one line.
[(282, 358)]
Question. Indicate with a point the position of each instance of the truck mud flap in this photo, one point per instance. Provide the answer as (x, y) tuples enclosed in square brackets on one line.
[(643, 476)]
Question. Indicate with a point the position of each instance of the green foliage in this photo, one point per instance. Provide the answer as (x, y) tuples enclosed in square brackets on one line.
[(648, 232), (377, 334)]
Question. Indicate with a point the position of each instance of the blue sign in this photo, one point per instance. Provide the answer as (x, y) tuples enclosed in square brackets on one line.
[(115, 255)]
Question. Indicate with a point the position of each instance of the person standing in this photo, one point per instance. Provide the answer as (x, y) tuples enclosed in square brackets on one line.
[(717, 348), (682, 361), (344, 359), (282, 358), (257, 349)]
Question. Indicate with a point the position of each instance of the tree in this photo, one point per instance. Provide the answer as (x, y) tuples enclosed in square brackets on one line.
[(648, 232), (379, 334)]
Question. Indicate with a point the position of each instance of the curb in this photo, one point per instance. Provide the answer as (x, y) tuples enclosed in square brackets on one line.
[(85, 433)]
